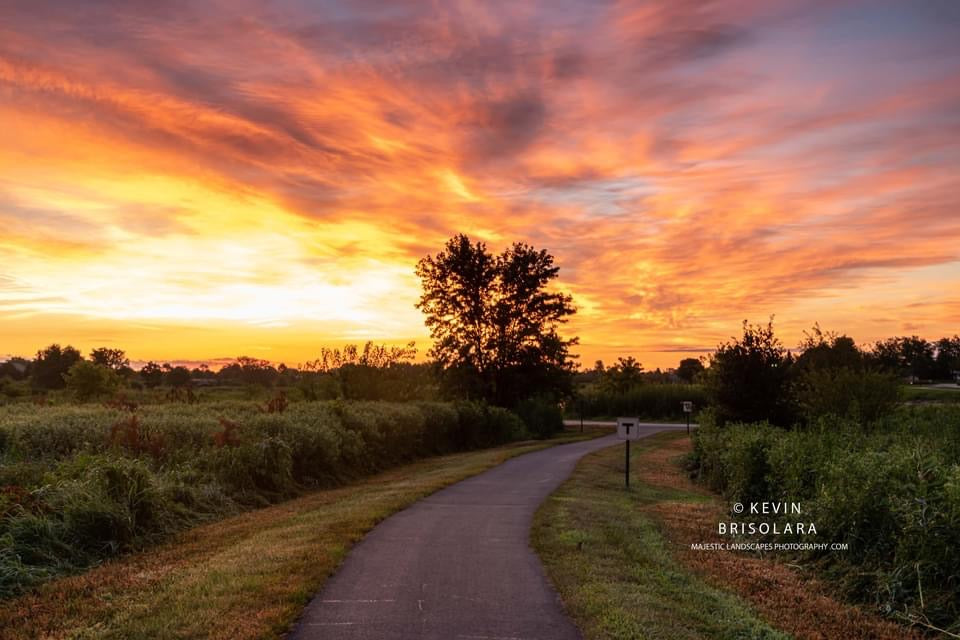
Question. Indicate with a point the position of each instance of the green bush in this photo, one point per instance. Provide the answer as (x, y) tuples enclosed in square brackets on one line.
[(652, 401), (864, 396), (74, 492), (891, 493), (86, 380), (542, 417)]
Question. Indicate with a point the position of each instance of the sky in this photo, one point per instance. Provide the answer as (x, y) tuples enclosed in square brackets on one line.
[(201, 180)]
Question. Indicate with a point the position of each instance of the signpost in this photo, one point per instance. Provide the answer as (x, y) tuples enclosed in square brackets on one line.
[(628, 429), (688, 409)]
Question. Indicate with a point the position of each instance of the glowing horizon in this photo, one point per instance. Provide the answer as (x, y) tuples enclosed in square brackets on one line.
[(259, 178)]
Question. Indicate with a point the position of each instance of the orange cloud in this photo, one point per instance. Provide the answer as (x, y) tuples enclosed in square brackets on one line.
[(262, 179)]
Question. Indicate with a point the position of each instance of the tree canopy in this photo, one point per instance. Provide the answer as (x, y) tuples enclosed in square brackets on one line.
[(495, 322)]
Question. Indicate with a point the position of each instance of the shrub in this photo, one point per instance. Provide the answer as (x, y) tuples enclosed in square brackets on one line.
[(653, 401), (891, 493), (864, 396), (87, 380), (541, 416), (81, 483)]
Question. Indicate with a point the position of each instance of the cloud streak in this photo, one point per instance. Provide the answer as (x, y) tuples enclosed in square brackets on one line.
[(689, 163)]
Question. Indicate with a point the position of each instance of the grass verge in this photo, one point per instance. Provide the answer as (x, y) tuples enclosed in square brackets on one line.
[(613, 568), (244, 577), (622, 561)]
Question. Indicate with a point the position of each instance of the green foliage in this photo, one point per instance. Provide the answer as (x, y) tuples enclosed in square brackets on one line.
[(892, 493), (542, 417), (748, 379), (863, 396), (622, 376), (81, 483), (494, 321), (653, 401), (87, 381)]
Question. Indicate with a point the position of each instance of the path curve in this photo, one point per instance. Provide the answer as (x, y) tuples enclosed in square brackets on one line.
[(456, 565)]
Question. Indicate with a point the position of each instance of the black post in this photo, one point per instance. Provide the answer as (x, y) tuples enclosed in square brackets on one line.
[(580, 402), (626, 469), (688, 423)]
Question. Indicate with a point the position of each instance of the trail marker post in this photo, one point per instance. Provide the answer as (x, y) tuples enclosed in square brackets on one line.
[(628, 429), (688, 409)]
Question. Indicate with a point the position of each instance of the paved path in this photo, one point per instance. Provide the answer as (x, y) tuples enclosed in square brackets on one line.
[(456, 565)]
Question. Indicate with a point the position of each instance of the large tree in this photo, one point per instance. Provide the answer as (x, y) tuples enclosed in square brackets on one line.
[(495, 322), (50, 366)]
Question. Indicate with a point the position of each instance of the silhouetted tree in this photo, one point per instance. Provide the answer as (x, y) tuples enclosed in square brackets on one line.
[(623, 375), (911, 357), (688, 369), (948, 357), (833, 376), (115, 359), (51, 364), (495, 323), (152, 375), (748, 379), (15, 368), (176, 376)]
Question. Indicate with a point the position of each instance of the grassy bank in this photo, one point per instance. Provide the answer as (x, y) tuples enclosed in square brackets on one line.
[(247, 576), (623, 563), (889, 490), (82, 483)]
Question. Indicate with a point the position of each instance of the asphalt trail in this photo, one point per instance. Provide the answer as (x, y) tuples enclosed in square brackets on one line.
[(456, 565)]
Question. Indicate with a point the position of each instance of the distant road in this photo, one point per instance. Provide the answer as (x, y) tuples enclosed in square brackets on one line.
[(456, 565)]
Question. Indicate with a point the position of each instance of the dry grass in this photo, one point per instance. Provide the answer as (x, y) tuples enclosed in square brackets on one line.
[(244, 577)]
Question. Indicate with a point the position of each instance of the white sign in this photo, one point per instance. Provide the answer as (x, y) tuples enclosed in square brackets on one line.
[(687, 406), (628, 428)]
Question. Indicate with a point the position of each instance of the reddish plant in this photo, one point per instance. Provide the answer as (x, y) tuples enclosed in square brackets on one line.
[(229, 436), (277, 404), (122, 403), (131, 435)]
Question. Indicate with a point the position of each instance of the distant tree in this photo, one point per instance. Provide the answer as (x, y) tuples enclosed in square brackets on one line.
[(50, 366), (623, 375), (177, 376), (688, 369), (15, 368), (823, 350), (748, 378), (115, 359), (911, 357), (833, 376), (494, 321), (87, 380), (152, 375), (948, 357), (598, 366)]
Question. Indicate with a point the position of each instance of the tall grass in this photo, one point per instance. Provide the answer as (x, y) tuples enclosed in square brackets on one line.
[(81, 483), (890, 491)]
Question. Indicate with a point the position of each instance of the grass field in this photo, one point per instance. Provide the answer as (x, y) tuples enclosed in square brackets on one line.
[(244, 577), (622, 563), (931, 394)]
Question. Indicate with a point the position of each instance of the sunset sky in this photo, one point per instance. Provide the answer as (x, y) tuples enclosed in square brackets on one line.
[(199, 180)]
